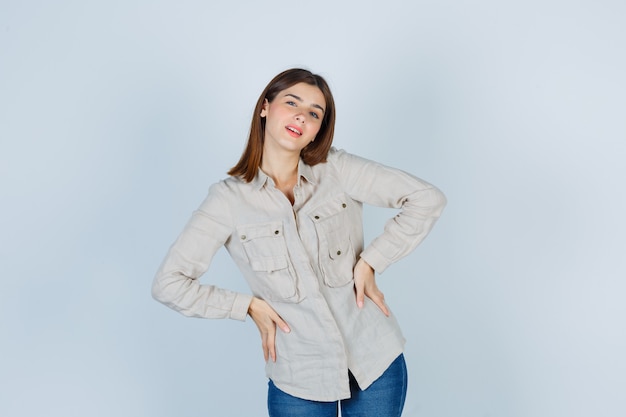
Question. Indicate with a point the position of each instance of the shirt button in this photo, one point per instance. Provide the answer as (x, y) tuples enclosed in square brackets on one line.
[(276, 232), (317, 217), (338, 252), (243, 237), (343, 205)]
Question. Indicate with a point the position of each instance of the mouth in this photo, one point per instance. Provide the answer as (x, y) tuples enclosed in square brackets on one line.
[(294, 131)]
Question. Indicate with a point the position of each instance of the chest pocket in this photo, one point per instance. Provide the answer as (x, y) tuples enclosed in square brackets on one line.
[(336, 252), (265, 246)]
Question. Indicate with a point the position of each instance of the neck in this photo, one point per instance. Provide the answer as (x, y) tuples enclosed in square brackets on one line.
[(283, 169)]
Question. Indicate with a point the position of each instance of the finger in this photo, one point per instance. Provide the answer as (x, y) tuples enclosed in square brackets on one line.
[(264, 346), (379, 299), (360, 293), (271, 343), (380, 302)]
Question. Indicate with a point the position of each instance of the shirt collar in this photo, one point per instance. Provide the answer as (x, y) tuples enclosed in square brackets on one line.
[(259, 180), (304, 171)]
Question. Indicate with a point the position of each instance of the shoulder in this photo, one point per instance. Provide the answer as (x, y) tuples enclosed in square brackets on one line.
[(334, 162), (227, 188), (228, 185), (334, 154), (338, 156), (342, 159), (222, 196)]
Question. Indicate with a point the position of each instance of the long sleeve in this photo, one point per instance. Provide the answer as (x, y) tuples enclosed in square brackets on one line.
[(420, 205), (299, 258), (176, 283)]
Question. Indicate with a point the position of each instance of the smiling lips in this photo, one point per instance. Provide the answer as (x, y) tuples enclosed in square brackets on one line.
[(294, 131)]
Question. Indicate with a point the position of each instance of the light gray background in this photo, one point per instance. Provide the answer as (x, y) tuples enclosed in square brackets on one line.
[(116, 116)]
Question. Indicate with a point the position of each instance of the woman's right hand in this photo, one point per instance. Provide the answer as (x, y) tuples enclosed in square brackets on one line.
[(266, 319)]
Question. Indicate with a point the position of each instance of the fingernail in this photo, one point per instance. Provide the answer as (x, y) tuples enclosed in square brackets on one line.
[(360, 304), (286, 329)]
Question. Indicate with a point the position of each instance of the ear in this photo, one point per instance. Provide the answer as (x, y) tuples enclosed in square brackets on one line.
[(264, 108)]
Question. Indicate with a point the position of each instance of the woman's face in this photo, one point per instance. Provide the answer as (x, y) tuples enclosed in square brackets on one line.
[(293, 118)]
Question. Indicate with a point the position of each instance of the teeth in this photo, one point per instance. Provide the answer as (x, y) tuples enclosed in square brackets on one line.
[(293, 130)]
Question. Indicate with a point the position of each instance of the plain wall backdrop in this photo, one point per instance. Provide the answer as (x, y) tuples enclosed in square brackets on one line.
[(116, 116)]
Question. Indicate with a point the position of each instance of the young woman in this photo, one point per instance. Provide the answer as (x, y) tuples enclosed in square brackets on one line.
[(290, 217)]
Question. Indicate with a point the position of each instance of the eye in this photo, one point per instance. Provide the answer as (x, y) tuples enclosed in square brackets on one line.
[(291, 103), (315, 115)]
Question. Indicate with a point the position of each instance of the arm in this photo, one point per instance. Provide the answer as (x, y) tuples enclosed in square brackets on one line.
[(176, 283), (419, 202), (420, 206)]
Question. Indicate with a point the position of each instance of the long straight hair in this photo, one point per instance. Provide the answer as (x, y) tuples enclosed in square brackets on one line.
[(312, 154)]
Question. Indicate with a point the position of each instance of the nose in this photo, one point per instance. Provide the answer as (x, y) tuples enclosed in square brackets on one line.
[(300, 117)]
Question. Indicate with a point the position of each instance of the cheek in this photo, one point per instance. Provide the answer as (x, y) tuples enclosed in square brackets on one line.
[(272, 113), (316, 130)]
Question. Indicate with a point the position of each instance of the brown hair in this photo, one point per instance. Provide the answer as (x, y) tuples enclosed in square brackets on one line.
[(312, 154)]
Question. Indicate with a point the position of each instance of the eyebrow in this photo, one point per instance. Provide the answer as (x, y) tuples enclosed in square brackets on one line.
[(300, 100)]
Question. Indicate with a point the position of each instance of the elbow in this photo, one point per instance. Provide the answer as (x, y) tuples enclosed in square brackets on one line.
[(159, 292), (170, 289), (443, 201), (437, 202), (156, 291)]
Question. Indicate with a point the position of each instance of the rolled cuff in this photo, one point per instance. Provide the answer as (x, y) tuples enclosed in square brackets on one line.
[(240, 307), (375, 259)]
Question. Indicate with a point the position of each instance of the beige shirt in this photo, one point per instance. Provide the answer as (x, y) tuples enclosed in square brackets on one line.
[(300, 259)]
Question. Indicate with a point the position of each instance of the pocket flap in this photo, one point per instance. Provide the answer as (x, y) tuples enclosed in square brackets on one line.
[(254, 231), (329, 209)]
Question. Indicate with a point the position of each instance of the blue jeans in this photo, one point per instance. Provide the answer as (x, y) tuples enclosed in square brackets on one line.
[(384, 398)]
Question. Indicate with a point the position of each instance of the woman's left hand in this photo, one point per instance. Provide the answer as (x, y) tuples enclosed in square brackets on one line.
[(365, 285)]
